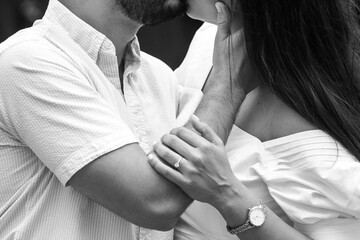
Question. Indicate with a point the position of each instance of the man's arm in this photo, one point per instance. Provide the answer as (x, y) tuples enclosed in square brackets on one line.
[(82, 140), (123, 182), (220, 105), (230, 79)]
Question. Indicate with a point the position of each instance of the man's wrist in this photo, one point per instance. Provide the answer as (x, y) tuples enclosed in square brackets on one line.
[(219, 112), (221, 102), (222, 87)]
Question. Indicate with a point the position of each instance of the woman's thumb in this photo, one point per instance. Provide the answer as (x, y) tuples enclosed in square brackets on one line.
[(223, 21), (205, 131)]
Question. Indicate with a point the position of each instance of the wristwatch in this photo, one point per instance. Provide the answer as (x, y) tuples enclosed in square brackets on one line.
[(256, 218)]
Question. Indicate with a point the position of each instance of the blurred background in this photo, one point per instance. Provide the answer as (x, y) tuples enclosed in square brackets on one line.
[(168, 41)]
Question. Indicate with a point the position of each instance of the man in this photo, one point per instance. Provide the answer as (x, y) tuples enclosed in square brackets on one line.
[(80, 107)]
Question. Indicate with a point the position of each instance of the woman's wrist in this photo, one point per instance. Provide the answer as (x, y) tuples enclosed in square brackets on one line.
[(234, 204)]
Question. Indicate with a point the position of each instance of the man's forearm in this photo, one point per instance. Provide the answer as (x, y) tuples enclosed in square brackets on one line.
[(123, 182), (220, 105)]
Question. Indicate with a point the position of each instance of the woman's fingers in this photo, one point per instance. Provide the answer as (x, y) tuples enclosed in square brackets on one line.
[(171, 157), (165, 170), (205, 131), (188, 136), (203, 135), (181, 145), (186, 142)]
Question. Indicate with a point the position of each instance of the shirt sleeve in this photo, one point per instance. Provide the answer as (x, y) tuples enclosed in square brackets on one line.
[(193, 72), (53, 109), (197, 63), (189, 100)]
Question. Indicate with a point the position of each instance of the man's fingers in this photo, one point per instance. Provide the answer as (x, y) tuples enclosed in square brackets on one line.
[(205, 131), (223, 21)]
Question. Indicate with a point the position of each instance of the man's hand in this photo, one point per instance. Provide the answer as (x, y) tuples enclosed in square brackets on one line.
[(231, 78), (230, 61)]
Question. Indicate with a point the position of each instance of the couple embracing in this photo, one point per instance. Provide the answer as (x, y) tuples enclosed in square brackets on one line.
[(255, 136)]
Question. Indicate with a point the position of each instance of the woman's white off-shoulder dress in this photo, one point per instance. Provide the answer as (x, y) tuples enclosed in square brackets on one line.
[(308, 175)]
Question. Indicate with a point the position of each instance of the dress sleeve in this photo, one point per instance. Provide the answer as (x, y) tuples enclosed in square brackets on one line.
[(334, 229), (317, 183), (332, 196), (53, 109)]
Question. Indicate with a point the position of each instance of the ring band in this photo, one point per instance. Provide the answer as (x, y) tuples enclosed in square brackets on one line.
[(177, 164)]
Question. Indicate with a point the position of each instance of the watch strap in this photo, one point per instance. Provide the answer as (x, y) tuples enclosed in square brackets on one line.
[(235, 231)]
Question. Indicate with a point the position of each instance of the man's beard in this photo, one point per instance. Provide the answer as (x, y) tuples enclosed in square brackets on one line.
[(151, 12)]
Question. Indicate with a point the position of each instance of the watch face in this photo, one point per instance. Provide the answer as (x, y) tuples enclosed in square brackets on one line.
[(257, 216)]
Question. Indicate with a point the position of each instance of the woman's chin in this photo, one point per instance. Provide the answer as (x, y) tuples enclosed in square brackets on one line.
[(203, 10), (204, 18)]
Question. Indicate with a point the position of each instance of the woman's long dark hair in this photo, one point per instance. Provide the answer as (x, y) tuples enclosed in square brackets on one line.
[(307, 52)]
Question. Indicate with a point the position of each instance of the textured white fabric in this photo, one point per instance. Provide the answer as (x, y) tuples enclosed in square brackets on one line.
[(313, 179), (317, 183), (197, 63), (61, 107)]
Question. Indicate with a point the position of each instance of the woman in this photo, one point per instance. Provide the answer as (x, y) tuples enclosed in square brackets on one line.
[(304, 114)]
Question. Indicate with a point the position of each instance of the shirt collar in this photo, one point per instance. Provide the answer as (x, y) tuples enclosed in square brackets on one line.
[(132, 57), (98, 43)]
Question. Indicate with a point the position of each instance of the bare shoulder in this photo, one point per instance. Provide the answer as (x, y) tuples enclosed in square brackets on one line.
[(287, 121), (266, 117)]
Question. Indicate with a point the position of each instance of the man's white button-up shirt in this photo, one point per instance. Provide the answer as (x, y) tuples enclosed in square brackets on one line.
[(61, 107)]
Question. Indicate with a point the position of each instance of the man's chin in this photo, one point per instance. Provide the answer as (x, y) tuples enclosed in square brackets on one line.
[(172, 10), (150, 12), (176, 4)]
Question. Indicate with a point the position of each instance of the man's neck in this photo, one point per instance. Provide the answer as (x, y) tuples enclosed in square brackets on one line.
[(107, 19)]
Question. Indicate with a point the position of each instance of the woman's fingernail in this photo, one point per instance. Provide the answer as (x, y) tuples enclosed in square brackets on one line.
[(151, 156), (154, 143), (195, 117)]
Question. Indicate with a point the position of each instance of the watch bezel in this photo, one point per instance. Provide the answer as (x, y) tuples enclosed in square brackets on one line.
[(252, 211)]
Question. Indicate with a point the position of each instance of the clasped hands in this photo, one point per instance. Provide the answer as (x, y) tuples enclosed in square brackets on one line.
[(204, 172)]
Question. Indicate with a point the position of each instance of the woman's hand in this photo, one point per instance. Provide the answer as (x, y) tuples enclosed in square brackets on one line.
[(205, 175), (203, 172)]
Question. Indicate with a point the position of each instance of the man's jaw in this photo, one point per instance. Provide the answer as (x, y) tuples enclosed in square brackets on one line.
[(151, 12)]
